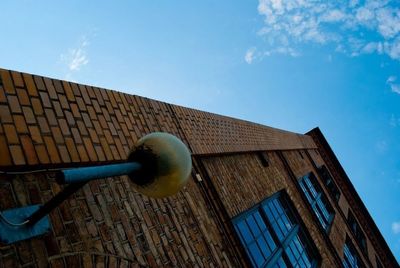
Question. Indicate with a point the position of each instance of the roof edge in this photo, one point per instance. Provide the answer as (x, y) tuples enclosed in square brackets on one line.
[(364, 211)]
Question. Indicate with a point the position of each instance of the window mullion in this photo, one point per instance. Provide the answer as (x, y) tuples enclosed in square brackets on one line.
[(290, 236), (274, 258)]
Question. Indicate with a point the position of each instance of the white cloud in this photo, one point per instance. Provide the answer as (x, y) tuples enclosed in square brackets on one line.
[(249, 56), (77, 57), (333, 16), (388, 22), (395, 87), (396, 227), (393, 49), (391, 79), (372, 47), (282, 50), (345, 24), (364, 14)]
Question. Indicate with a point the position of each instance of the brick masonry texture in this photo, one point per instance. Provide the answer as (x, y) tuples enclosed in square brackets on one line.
[(249, 183), (48, 121), (48, 124), (350, 201), (107, 223)]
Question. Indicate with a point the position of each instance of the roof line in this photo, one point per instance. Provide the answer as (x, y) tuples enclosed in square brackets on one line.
[(364, 211)]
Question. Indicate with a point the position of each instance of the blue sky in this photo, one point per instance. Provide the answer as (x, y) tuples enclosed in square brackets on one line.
[(288, 64)]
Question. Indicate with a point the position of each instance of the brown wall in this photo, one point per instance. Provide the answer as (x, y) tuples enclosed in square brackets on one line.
[(242, 182), (108, 222), (48, 121), (376, 246), (49, 124)]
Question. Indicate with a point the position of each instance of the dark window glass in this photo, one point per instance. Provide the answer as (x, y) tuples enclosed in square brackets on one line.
[(317, 199), (245, 232), (330, 185), (358, 233), (262, 156), (378, 263), (351, 258), (280, 263), (272, 236)]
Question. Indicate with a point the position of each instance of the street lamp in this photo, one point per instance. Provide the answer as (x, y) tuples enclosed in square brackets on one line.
[(158, 166)]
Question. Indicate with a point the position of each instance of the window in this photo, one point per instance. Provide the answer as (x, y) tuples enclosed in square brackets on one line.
[(272, 236), (378, 263), (358, 233), (262, 156), (351, 258), (329, 183), (317, 200)]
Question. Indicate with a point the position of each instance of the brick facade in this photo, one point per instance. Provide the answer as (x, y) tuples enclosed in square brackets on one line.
[(47, 124)]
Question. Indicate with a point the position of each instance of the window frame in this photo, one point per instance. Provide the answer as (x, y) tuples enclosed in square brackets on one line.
[(378, 262), (296, 232), (318, 200), (329, 183), (353, 253), (358, 233)]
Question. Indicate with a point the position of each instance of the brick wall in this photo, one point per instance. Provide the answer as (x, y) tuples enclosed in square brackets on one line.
[(340, 228), (242, 182), (48, 124), (108, 222), (350, 200), (48, 121)]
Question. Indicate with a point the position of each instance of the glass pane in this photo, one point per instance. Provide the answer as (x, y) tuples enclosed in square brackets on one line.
[(283, 227), (323, 208), (306, 259), (301, 264), (298, 244), (349, 257), (264, 247), (290, 255), (273, 209), (268, 212), (280, 263), (321, 219), (308, 195), (270, 241), (311, 187), (260, 221), (287, 222), (253, 226), (244, 231), (294, 249), (256, 254), (278, 231), (278, 206)]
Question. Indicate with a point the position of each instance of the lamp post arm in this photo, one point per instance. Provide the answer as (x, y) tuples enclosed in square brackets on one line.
[(54, 202), (76, 178), (85, 174)]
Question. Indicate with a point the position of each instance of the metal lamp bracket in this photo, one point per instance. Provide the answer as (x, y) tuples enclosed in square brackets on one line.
[(159, 166), (11, 229)]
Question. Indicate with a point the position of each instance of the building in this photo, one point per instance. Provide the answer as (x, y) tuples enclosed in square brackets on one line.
[(257, 195)]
